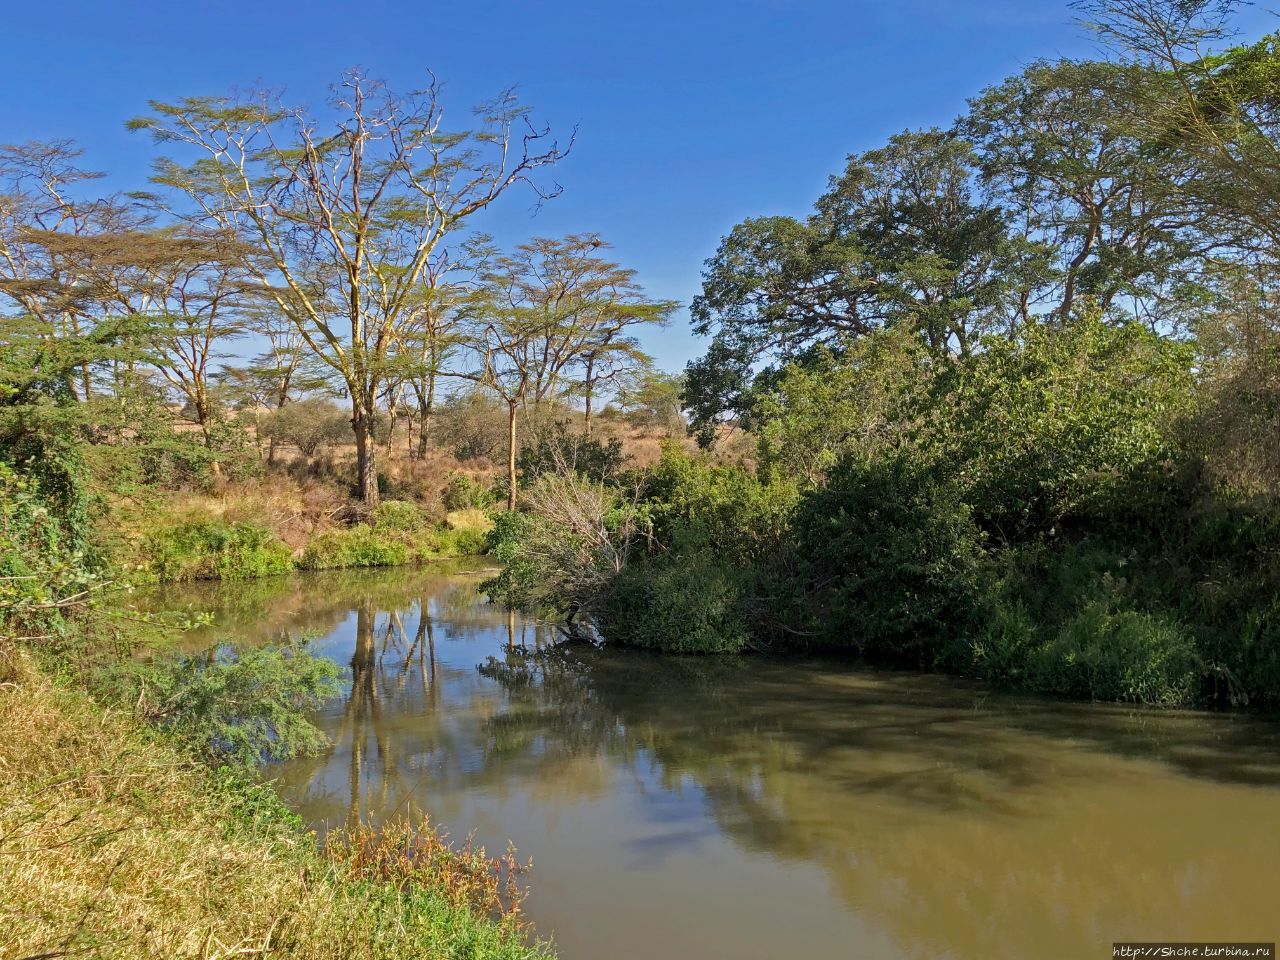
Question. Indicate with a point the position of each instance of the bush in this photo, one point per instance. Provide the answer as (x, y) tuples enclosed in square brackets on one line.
[(242, 709), (692, 603), (557, 449), (358, 546), (400, 516), (464, 493), (473, 427), (1070, 422), (213, 549), (1103, 654), (693, 505), (45, 557), (892, 562), (309, 425)]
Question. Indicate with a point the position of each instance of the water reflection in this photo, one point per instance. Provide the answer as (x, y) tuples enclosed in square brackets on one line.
[(755, 808)]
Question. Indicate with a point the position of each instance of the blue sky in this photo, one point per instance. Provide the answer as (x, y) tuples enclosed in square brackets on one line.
[(692, 115)]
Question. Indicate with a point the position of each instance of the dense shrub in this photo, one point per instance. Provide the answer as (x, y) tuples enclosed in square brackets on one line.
[(1104, 654), (357, 546), (465, 493), (564, 554), (309, 425), (213, 549), (892, 562), (1058, 422), (399, 516), (690, 603), (557, 448), (47, 565), (692, 504)]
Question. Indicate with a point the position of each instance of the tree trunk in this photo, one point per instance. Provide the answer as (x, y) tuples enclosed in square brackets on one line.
[(366, 452), (203, 415), (589, 386), (282, 397), (426, 407), (511, 455)]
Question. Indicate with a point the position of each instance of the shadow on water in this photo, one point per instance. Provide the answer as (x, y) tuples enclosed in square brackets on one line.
[(936, 811)]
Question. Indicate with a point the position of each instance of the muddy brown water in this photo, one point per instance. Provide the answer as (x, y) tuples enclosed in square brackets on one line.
[(751, 808)]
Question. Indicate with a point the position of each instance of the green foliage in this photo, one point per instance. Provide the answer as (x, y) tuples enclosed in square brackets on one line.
[(556, 447), (892, 561), (721, 539), (1103, 654), (357, 546), (47, 567), (856, 400), (523, 582), (693, 505), (654, 401), (690, 603), (214, 549), (309, 425), (243, 708), (1059, 422), (462, 492), (399, 516), (564, 553)]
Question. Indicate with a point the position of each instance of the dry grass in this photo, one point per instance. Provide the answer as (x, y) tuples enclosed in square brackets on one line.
[(113, 845)]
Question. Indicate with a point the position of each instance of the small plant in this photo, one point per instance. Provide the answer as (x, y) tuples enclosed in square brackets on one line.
[(407, 856)]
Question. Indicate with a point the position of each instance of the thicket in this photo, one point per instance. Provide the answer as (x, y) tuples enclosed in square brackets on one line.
[(1013, 388), (1042, 513)]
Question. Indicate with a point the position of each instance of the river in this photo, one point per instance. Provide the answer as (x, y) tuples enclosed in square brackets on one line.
[(681, 808)]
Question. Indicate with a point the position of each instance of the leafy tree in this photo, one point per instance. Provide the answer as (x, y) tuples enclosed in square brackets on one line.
[(1057, 140), (903, 237), (307, 424), (344, 209), (654, 399), (551, 308)]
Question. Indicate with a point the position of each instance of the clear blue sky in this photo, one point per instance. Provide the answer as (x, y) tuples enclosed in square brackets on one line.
[(692, 114)]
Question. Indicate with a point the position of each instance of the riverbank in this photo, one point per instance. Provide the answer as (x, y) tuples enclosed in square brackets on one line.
[(263, 528), (116, 844)]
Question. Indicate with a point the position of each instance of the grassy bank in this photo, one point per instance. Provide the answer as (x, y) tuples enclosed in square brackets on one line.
[(252, 530), (114, 844)]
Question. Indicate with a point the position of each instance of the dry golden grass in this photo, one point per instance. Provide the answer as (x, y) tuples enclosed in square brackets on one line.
[(113, 845)]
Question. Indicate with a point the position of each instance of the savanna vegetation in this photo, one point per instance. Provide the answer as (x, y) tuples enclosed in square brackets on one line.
[(1005, 404), (290, 353), (1011, 394)]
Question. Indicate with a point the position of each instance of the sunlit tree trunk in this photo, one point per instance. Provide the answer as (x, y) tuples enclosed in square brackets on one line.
[(511, 454)]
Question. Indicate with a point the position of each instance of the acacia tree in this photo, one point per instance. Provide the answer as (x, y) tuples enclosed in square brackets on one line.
[(345, 209), (581, 311), (434, 330), (187, 286), (1056, 140), (49, 237), (283, 371), (1213, 109), (554, 309)]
